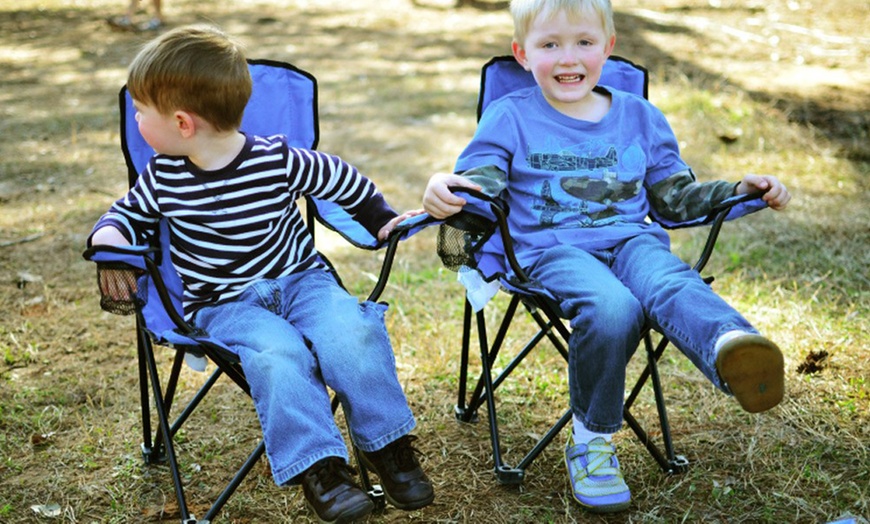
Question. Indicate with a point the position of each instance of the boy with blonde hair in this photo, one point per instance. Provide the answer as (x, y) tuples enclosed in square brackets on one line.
[(605, 160), (252, 277)]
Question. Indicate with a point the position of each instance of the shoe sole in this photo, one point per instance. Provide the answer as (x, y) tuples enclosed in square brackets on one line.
[(410, 506), (610, 508), (752, 367), (353, 515), (124, 28)]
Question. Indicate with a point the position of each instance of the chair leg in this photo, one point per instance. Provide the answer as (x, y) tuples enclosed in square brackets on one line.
[(150, 454), (668, 461), (477, 398), (164, 431), (168, 396), (374, 491), (550, 326), (196, 400), (545, 440), (504, 473), (165, 434), (234, 483), (486, 387), (461, 411), (553, 329)]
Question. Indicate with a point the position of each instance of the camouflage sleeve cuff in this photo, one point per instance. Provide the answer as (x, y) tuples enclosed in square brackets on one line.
[(491, 179), (681, 198)]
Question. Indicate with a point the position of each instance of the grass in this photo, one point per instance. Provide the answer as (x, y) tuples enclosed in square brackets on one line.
[(398, 86)]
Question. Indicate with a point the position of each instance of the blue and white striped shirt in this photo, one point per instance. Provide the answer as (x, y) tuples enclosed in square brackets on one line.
[(234, 226)]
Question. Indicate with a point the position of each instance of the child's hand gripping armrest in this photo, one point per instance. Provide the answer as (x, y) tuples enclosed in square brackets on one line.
[(388, 228), (776, 195), (439, 201)]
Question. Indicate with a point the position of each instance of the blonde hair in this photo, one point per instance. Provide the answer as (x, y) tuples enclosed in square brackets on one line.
[(197, 69), (524, 13)]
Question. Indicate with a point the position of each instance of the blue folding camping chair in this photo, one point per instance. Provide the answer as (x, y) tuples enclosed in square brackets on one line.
[(284, 101), (477, 241)]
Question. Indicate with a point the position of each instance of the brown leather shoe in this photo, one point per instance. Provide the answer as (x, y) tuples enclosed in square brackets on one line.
[(752, 366), (403, 480), (331, 492)]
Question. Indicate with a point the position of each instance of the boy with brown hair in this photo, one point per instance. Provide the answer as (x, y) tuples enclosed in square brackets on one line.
[(253, 279)]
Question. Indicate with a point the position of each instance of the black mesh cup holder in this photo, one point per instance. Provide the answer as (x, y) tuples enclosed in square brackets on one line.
[(129, 291), (459, 238)]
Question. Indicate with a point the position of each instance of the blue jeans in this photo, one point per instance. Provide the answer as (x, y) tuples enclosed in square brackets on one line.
[(297, 335), (607, 295)]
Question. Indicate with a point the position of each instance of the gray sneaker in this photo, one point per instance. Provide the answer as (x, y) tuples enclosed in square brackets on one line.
[(595, 478)]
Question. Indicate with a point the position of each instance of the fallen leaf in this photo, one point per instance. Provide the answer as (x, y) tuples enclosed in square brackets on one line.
[(46, 510)]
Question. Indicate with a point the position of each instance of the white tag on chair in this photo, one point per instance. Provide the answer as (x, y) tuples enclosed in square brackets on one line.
[(195, 362), (478, 290)]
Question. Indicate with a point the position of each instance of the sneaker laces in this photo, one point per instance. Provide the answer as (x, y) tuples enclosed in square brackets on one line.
[(405, 453), (331, 472), (599, 460)]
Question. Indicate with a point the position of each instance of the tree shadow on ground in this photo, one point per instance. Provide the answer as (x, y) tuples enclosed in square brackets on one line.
[(847, 128), (44, 33)]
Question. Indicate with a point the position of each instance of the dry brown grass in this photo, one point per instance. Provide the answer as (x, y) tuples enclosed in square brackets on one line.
[(398, 86)]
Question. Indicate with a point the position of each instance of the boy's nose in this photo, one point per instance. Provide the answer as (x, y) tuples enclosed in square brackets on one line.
[(568, 57)]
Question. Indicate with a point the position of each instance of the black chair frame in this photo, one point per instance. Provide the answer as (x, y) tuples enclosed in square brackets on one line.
[(158, 445), (551, 327)]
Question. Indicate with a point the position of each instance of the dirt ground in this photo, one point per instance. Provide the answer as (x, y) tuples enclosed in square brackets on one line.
[(398, 82)]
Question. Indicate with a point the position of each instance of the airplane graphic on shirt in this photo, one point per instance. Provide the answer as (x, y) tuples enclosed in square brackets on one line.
[(607, 190)]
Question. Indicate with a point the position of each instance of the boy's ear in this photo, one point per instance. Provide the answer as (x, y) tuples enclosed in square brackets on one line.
[(608, 50), (520, 54), (185, 123)]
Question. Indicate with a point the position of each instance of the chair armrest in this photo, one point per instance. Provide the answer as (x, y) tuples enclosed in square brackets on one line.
[(498, 210), (725, 206), (716, 218), (145, 263), (131, 255), (124, 265)]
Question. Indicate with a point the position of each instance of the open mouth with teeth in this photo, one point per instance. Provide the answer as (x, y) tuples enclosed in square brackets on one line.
[(570, 79)]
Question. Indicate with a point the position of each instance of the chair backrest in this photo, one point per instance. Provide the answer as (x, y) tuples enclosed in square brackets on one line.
[(503, 75), (283, 101)]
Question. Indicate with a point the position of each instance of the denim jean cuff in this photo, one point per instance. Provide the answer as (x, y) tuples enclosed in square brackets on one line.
[(382, 441), (289, 476)]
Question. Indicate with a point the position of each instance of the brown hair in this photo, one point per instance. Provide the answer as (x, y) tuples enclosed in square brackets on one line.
[(197, 69)]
